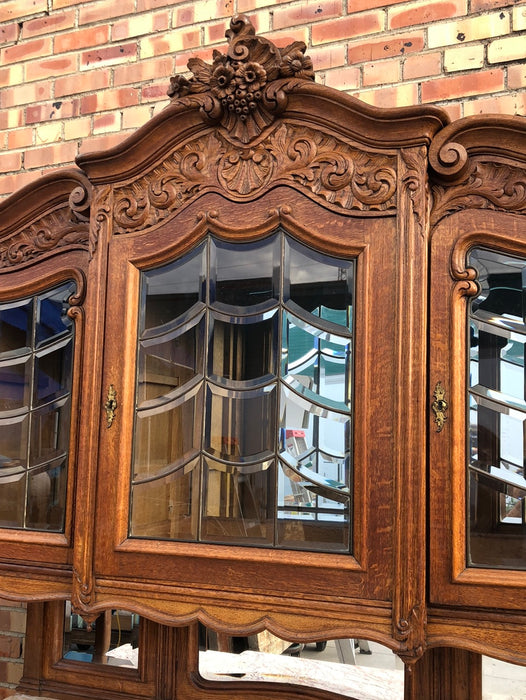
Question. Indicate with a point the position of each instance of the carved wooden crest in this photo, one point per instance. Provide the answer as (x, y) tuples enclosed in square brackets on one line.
[(241, 90)]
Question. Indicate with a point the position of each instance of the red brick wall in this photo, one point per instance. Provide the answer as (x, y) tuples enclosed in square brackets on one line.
[(76, 75), (12, 629)]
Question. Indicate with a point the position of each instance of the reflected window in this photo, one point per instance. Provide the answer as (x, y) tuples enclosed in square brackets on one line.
[(244, 388), (36, 362), (497, 412)]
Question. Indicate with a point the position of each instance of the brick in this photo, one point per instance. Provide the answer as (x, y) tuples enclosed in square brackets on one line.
[(214, 33), (518, 18), (20, 138), (13, 620), (109, 100), (347, 78), (75, 129), (332, 56), (46, 156), (134, 117), (464, 58), (36, 114), (424, 13), (89, 81), (11, 118), (181, 59), (424, 64), (481, 5), (135, 73), (48, 133), (382, 72), (11, 183), (12, 75), (100, 11), (26, 50), (154, 92), (500, 104), (10, 162), (400, 96), (348, 27), (109, 56), (517, 76), (510, 48), (66, 3), (61, 65), (471, 29), (389, 47), (82, 38), (144, 5), (107, 122), (185, 15), (50, 24), (24, 94), (482, 82), (177, 40), (248, 5), (284, 37), (306, 12), (454, 109), (14, 9), (102, 143), (11, 647), (8, 33), (206, 10), (361, 5), (139, 25)]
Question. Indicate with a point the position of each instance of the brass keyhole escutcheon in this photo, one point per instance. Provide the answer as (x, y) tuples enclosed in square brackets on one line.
[(110, 406), (439, 406)]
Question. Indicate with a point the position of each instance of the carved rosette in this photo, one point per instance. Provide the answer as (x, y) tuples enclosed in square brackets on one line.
[(51, 233), (238, 89), (343, 177)]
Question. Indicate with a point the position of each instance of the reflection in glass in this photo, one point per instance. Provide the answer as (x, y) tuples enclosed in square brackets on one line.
[(168, 507), (238, 502), (221, 332), (497, 413), (36, 365)]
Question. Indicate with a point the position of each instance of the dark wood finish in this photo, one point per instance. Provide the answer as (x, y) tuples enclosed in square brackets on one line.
[(405, 195)]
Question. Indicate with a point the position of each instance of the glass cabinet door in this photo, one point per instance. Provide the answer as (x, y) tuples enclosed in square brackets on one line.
[(243, 413), (477, 425), (36, 362)]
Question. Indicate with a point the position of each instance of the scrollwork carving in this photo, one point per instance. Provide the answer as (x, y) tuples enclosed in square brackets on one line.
[(319, 164), (55, 231), (487, 186)]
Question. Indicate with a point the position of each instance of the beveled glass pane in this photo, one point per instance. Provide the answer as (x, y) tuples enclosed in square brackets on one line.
[(243, 349), (497, 413), (167, 507), (173, 289), (15, 378), (52, 320), (314, 280), (230, 430), (49, 432), (12, 498), (53, 373), (311, 513), (16, 323), (169, 362), (168, 435), (246, 274), (46, 499), (238, 504), (13, 440)]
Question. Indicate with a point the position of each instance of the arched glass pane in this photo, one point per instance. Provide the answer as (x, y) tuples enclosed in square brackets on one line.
[(240, 306)]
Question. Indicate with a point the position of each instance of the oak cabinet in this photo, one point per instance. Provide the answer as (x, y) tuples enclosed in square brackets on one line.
[(281, 379)]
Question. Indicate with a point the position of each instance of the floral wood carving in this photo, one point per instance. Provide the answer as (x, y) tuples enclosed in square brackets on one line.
[(486, 186), (53, 232), (314, 162), (237, 89)]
